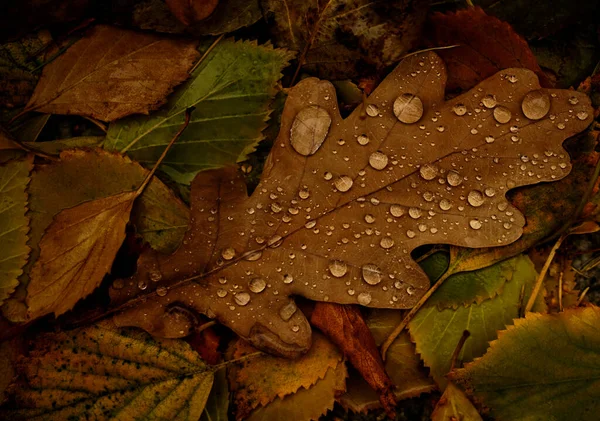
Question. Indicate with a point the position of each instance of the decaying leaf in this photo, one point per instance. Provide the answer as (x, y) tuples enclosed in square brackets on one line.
[(485, 46), (112, 73), (231, 90), (14, 224), (402, 364), (55, 147), (339, 39), (345, 326), (306, 404), (545, 367), (454, 405), (102, 372), (191, 11), (339, 224), (436, 332), (81, 176), (260, 380)]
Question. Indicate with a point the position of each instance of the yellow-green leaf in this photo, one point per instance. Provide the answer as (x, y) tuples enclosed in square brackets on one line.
[(454, 405), (544, 368), (104, 373), (14, 225)]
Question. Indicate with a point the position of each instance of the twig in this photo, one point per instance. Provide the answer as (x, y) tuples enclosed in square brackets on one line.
[(582, 296), (560, 284), (101, 125), (459, 346), (206, 53), (445, 47), (205, 326)]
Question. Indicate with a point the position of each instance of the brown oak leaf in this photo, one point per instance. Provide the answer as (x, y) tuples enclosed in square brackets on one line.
[(343, 202), (485, 45)]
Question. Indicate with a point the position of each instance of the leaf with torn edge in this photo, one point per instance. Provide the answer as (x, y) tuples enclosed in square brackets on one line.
[(112, 73), (14, 224), (342, 203), (262, 379), (106, 373), (231, 89), (437, 332), (338, 39), (544, 367)]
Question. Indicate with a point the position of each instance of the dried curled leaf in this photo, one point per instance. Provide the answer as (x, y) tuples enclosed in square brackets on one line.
[(112, 73), (104, 373), (544, 367), (339, 225)]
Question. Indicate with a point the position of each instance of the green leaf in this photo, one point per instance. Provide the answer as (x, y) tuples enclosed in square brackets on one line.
[(454, 405), (14, 225), (55, 147), (80, 176), (231, 91), (545, 367), (217, 404), (437, 332), (101, 372)]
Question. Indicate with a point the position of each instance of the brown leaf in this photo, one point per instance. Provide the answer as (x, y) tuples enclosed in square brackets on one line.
[(191, 11), (76, 252), (345, 326), (486, 45), (260, 380), (112, 73), (339, 223)]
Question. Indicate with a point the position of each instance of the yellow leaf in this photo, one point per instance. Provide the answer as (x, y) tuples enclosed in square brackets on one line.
[(454, 405)]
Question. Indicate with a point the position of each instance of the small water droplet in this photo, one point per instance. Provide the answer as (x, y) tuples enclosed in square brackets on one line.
[(257, 285), (288, 279), (371, 274), (489, 139), (142, 285), (445, 204), (275, 241), (378, 160), (295, 328), (338, 268), (397, 210), (118, 284), (475, 198), (573, 100), (276, 207), (415, 213), (428, 171), (161, 291), (582, 115), (242, 298), (309, 129), (490, 192), (459, 109), (343, 183), (386, 242), (310, 224), (228, 253), (304, 194), (410, 234), (536, 104), (454, 178), (328, 176), (502, 114), (364, 299), (221, 293), (561, 126), (489, 101), (155, 275), (363, 139), (369, 219), (408, 108), (475, 224), (372, 110), (512, 78), (287, 311)]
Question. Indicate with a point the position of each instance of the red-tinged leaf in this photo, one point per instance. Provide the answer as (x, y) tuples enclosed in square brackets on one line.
[(206, 343)]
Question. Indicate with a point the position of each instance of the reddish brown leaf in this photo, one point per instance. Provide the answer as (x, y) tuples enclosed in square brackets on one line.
[(206, 343), (486, 45), (345, 326), (191, 11)]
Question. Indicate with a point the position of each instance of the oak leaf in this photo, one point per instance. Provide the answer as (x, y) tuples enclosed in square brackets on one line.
[(112, 73), (485, 45), (342, 203), (107, 373), (543, 367)]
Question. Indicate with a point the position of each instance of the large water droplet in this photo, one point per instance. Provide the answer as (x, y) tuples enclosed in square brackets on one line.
[(309, 129), (475, 198), (287, 311), (338, 268), (228, 253), (378, 160), (408, 108), (372, 110), (475, 224), (364, 298), (386, 242), (257, 285), (363, 139), (582, 115), (489, 101), (343, 183), (371, 274), (454, 178), (415, 213), (445, 204), (428, 171), (459, 109), (502, 114), (536, 104), (242, 298), (397, 210)]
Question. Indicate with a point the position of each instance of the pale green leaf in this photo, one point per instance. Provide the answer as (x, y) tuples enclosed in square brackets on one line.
[(544, 368), (14, 225), (104, 373), (454, 405), (231, 91)]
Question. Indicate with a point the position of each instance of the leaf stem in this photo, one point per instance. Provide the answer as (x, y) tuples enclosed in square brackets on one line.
[(459, 346), (239, 360), (206, 53)]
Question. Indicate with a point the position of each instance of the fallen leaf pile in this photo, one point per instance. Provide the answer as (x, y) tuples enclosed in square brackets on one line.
[(220, 210)]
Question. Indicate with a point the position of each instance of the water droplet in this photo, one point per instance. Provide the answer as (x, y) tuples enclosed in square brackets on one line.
[(242, 298), (372, 110), (275, 241), (415, 213), (228, 253), (573, 100), (408, 108), (118, 284), (295, 328), (309, 129), (536, 104), (474, 131), (343, 183), (475, 224), (364, 299), (502, 206), (410, 234), (453, 178), (257, 285), (276, 207), (328, 176), (490, 192), (371, 274), (369, 219), (288, 279), (155, 275), (445, 204), (582, 115), (561, 126), (338, 268), (502, 115), (161, 291), (489, 139), (363, 139), (386, 242), (507, 225), (397, 210), (310, 224), (304, 194), (287, 311), (440, 129), (428, 171), (221, 293), (378, 160), (475, 198), (512, 78), (489, 101), (459, 109)]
